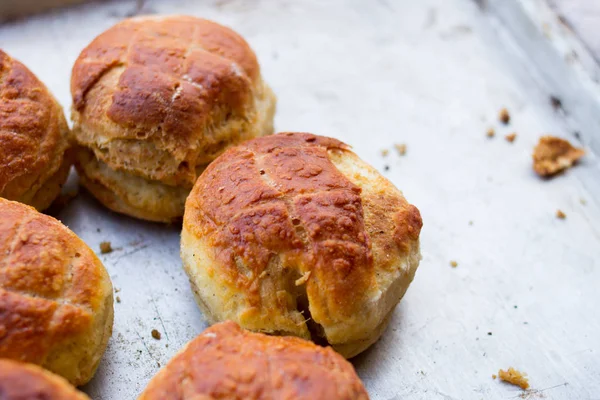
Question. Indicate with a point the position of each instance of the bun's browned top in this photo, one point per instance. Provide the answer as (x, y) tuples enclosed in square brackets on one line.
[(50, 283), (20, 381), (227, 362), (32, 126), (163, 78), (282, 196)]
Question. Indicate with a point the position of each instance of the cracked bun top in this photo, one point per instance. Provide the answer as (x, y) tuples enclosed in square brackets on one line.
[(294, 234), (55, 295), (21, 381), (227, 362), (33, 136), (162, 96)]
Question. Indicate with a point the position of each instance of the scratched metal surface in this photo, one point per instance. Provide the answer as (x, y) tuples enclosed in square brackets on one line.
[(432, 74)]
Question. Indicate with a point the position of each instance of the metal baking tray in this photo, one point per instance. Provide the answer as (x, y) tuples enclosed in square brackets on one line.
[(431, 74)]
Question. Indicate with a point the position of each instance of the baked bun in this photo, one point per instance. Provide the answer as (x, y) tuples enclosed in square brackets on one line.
[(56, 304), (155, 99), (34, 137), (227, 362), (21, 381), (293, 234)]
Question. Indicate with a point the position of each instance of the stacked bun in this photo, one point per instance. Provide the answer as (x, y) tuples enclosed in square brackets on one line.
[(155, 99)]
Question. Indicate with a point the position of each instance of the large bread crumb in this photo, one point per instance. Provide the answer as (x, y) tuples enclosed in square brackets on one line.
[(553, 155), (513, 377)]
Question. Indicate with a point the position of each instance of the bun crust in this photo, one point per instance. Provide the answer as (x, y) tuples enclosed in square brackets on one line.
[(21, 381), (34, 137), (226, 362), (158, 98), (294, 234), (56, 304)]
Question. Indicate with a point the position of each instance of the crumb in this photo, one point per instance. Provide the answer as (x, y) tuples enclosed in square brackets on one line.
[(117, 290), (494, 376), (453, 264), (516, 306), (560, 214), (489, 333), (118, 299), (98, 230), (514, 377), (504, 116), (583, 201), (155, 334), (303, 279), (105, 247), (553, 155), (386, 167), (385, 152), (401, 148), (490, 133), (511, 137), (470, 222), (556, 103)]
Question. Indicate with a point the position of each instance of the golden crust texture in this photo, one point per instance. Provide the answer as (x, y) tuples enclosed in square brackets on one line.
[(227, 362), (155, 99), (56, 305), (34, 137), (21, 381), (294, 234), (553, 155)]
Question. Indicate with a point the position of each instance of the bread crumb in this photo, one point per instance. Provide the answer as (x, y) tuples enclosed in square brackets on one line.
[(105, 248), (302, 280), (556, 103), (511, 137), (385, 152), (504, 116), (560, 214), (155, 334), (453, 264), (514, 377), (553, 155), (494, 376), (583, 201), (490, 133), (401, 148), (118, 299)]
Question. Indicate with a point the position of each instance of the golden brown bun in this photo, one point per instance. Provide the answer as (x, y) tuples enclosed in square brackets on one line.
[(21, 381), (294, 234), (155, 99), (227, 362), (34, 137), (56, 304)]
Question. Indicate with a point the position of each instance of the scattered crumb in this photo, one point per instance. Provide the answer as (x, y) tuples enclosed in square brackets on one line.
[(386, 167), (98, 230), (490, 133), (515, 306), (560, 214), (470, 222), (511, 137), (514, 377), (302, 280), (117, 290), (556, 103), (504, 116), (453, 264), (583, 201), (385, 152), (553, 155), (489, 333), (401, 148), (155, 334), (118, 299), (494, 376), (105, 248)]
